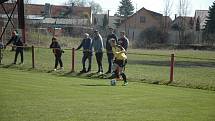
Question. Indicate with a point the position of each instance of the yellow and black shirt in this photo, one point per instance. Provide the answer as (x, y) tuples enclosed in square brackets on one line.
[(119, 52)]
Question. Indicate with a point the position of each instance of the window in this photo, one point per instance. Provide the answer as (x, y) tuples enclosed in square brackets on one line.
[(142, 19)]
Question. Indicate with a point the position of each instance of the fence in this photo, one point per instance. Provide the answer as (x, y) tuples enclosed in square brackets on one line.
[(191, 68)]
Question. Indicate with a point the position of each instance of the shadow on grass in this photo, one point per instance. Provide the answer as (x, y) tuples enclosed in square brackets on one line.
[(8, 66), (92, 85), (185, 64), (89, 75)]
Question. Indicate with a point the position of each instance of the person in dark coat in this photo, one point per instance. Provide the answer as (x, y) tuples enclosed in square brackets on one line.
[(87, 52), (123, 40), (57, 52), (110, 54), (18, 43), (98, 48)]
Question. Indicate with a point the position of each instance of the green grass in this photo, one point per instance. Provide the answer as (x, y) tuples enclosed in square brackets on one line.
[(189, 72), (44, 40), (36, 96)]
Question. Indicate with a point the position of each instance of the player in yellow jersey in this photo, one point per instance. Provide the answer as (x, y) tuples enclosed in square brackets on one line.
[(120, 60)]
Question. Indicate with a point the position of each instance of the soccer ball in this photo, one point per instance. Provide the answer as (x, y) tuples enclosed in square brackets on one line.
[(113, 82)]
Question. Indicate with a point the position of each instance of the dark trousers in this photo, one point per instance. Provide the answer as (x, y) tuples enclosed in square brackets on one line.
[(19, 51), (58, 60), (110, 61), (87, 55), (99, 56), (122, 64)]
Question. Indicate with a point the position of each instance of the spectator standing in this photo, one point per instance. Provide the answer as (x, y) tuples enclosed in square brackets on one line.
[(110, 54), (18, 43), (87, 52), (57, 52), (123, 40), (98, 48)]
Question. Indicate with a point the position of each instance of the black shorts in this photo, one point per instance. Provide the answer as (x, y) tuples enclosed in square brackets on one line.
[(120, 63)]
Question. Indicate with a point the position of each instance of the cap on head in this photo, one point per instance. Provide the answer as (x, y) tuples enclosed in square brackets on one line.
[(86, 34), (54, 38), (112, 40), (122, 32), (95, 31), (110, 28), (15, 32)]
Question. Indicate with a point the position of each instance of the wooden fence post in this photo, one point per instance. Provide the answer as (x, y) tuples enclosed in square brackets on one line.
[(1, 56), (172, 68), (33, 57), (73, 60)]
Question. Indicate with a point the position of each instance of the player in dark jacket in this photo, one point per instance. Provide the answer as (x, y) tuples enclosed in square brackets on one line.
[(110, 55), (87, 52), (17, 41), (57, 52), (98, 48)]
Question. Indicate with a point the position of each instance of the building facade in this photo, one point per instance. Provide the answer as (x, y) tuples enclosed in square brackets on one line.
[(140, 21)]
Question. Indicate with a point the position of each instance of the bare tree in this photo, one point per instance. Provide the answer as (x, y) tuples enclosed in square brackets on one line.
[(11, 1), (80, 3), (183, 7), (27, 1), (167, 7), (183, 10), (167, 12), (96, 7)]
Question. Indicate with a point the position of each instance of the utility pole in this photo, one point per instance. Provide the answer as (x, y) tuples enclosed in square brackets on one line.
[(135, 25), (21, 17), (108, 17)]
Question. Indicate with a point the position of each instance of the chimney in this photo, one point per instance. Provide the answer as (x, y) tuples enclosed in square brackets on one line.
[(175, 16)]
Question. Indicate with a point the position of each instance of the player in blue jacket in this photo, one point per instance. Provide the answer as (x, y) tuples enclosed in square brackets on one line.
[(87, 52)]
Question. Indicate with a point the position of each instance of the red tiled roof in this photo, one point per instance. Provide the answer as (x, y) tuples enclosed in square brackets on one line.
[(77, 11), (33, 9)]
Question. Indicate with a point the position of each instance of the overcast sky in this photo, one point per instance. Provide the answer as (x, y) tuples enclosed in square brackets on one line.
[(153, 5)]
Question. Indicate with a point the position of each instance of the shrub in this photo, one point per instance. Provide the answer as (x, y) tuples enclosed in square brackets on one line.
[(151, 36)]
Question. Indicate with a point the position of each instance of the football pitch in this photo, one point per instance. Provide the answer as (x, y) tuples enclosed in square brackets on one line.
[(36, 96)]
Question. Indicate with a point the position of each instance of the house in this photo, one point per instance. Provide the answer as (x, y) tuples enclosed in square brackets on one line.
[(38, 13), (73, 19), (140, 21), (200, 18), (98, 21), (166, 23), (115, 21), (183, 22)]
